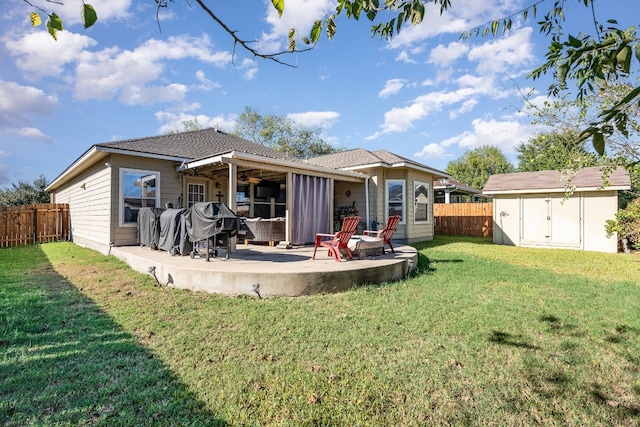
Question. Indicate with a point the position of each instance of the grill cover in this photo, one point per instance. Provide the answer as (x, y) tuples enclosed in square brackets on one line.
[(149, 227), (173, 236), (208, 219)]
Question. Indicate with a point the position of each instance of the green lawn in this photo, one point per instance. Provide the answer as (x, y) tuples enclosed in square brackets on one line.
[(480, 335)]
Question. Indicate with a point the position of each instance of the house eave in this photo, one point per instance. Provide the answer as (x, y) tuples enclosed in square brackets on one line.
[(252, 160), (94, 154), (435, 172)]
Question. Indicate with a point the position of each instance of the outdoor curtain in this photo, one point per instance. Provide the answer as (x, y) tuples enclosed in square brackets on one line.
[(310, 208)]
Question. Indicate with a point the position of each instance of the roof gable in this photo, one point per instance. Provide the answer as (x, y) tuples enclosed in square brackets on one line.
[(586, 179)]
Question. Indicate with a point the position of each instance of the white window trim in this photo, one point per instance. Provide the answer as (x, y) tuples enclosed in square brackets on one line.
[(402, 182), (429, 202), (200, 183), (122, 171)]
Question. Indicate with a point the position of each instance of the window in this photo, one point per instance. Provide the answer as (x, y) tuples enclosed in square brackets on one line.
[(195, 193), (420, 201), (395, 198), (138, 189)]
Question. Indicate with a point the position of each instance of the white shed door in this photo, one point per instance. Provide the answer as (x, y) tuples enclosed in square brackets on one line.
[(566, 220), (535, 219), (551, 219)]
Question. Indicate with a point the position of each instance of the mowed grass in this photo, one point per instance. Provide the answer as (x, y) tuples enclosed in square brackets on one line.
[(480, 335)]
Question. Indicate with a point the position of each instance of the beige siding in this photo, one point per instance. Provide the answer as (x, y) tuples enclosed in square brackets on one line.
[(409, 230), (419, 231), (89, 199), (170, 191)]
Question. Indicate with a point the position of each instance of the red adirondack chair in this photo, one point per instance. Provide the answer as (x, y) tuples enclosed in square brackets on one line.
[(339, 241), (386, 233)]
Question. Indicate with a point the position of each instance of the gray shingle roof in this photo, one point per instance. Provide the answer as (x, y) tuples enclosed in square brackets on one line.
[(361, 157), (585, 179), (194, 145)]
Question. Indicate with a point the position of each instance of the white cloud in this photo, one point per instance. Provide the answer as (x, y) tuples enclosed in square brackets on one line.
[(403, 56), (444, 56), (298, 14), (493, 59), (401, 119), (464, 15), (173, 122), (504, 134), (149, 95), (205, 85), (111, 72), (466, 107), (504, 55), (38, 55), (391, 87), (69, 11), (18, 103), (432, 150), (323, 119)]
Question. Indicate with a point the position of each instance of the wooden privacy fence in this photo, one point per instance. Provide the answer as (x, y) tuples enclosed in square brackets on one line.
[(463, 219), (39, 223)]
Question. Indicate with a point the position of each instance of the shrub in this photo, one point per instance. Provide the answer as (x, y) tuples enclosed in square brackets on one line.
[(627, 224)]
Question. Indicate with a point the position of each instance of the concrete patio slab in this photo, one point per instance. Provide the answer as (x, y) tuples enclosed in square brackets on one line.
[(268, 271)]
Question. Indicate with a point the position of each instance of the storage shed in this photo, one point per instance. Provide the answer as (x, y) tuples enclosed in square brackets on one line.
[(532, 208)]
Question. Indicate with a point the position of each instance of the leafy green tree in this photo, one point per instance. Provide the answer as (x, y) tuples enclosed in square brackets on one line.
[(282, 134), (565, 115), (555, 150), (476, 165), (24, 193)]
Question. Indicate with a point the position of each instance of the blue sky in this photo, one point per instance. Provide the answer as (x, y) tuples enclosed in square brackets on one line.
[(425, 95)]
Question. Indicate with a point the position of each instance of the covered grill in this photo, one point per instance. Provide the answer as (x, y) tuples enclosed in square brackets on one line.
[(173, 236), (211, 221), (149, 227)]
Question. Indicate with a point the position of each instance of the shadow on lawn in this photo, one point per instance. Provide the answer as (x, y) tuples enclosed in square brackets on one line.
[(499, 337), (64, 361)]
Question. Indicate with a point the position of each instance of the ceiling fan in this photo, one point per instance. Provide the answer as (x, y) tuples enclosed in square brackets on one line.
[(251, 180)]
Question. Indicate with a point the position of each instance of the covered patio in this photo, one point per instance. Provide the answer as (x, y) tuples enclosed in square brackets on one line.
[(258, 187), (264, 271)]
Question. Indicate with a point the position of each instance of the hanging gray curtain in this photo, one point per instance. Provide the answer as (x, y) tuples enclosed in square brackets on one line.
[(310, 208)]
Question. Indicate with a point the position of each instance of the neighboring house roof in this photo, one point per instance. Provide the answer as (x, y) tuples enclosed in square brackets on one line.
[(453, 185), (359, 158), (586, 179)]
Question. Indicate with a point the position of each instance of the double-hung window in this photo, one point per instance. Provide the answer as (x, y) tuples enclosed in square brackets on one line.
[(395, 198), (420, 201), (138, 189)]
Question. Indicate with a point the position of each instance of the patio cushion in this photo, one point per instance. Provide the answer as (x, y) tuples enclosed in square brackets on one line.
[(364, 246)]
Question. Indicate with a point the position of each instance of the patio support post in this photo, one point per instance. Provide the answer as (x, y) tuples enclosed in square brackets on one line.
[(288, 209), (231, 198)]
